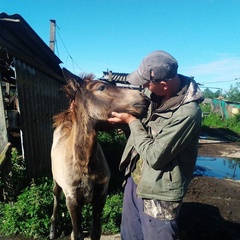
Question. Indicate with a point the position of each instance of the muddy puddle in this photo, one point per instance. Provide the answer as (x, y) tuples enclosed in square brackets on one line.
[(218, 167)]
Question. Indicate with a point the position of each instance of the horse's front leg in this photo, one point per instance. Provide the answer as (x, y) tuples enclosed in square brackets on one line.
[(56, 196), (75, 211), (97, 208)]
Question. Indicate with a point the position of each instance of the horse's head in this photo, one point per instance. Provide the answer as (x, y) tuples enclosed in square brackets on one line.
[(99, 99)]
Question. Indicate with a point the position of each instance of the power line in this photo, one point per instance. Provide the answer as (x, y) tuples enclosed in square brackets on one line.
[(235, 79), (73, 61), (57, 47)]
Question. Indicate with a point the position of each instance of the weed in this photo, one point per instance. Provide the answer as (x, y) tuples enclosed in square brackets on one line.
[(30, 215), (216, 121)]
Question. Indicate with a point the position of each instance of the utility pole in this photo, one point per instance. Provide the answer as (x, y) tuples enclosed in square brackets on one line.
[(52, 34)]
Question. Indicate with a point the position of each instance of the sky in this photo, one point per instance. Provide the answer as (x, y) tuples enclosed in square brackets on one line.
[(93, 36)]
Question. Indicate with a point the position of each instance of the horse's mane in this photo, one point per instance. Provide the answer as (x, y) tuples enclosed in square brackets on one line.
[(70, 89), (63, 117)]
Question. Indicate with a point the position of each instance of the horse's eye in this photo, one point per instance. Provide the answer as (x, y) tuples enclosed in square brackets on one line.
[(101, 88)]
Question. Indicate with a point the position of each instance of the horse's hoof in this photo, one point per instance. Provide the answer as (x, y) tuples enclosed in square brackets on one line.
[(77, 236), (52, 236)]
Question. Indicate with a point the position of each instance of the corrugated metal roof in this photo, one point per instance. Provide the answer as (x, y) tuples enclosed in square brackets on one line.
[(22, 42), (115, 77)]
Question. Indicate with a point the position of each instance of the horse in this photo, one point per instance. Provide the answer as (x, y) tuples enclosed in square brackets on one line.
[(79, 167)]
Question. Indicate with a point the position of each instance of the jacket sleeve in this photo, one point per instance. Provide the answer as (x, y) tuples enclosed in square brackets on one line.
[(171, 139)]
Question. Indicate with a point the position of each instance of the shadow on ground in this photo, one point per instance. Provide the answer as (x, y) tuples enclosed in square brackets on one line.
[(199, 221)]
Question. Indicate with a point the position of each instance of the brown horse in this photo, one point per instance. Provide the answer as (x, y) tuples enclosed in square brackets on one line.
[(79, 167)]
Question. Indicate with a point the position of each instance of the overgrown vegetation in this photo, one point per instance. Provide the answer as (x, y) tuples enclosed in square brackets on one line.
[(215, 120), (30, 214), (18, 166), (116, 137)]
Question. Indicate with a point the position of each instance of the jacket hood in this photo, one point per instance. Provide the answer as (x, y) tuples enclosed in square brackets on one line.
[(193, 92)]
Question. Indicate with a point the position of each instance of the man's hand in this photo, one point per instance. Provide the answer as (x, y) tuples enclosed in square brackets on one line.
[(121, 118)]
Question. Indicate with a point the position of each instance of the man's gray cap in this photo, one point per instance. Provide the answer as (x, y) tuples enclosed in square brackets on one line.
[(158, 65)]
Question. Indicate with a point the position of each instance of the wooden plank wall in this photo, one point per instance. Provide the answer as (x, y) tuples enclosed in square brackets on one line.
[(3, 126), (39, 98)]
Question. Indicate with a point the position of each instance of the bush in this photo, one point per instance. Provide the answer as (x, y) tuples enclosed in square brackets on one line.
[(206, 108), (18, 166), (213, 120), (114, 139), (30, 214), (17, 177), (112, 213), (233, 123)]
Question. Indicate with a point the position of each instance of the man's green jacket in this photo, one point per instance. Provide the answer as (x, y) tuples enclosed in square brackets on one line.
[(167, 143)]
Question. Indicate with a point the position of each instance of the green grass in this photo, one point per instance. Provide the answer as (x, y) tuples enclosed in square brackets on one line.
[(30, 215), (215, 120)]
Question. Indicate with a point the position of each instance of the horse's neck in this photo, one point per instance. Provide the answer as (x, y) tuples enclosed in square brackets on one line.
[(84, 139)]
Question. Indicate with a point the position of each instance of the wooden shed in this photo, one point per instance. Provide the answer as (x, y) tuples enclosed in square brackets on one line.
[(30, 95)]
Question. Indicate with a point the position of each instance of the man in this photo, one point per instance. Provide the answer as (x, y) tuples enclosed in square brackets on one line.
[(160, 155)]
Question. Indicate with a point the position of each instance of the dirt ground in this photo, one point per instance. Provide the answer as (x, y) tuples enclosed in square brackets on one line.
[(211, 208)]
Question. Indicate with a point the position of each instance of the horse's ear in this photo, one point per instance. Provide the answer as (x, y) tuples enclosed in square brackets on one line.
[(70, 76)]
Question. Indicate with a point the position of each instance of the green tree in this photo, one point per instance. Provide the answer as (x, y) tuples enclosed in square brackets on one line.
[(234, 93), (208, 93), (217, 93)]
